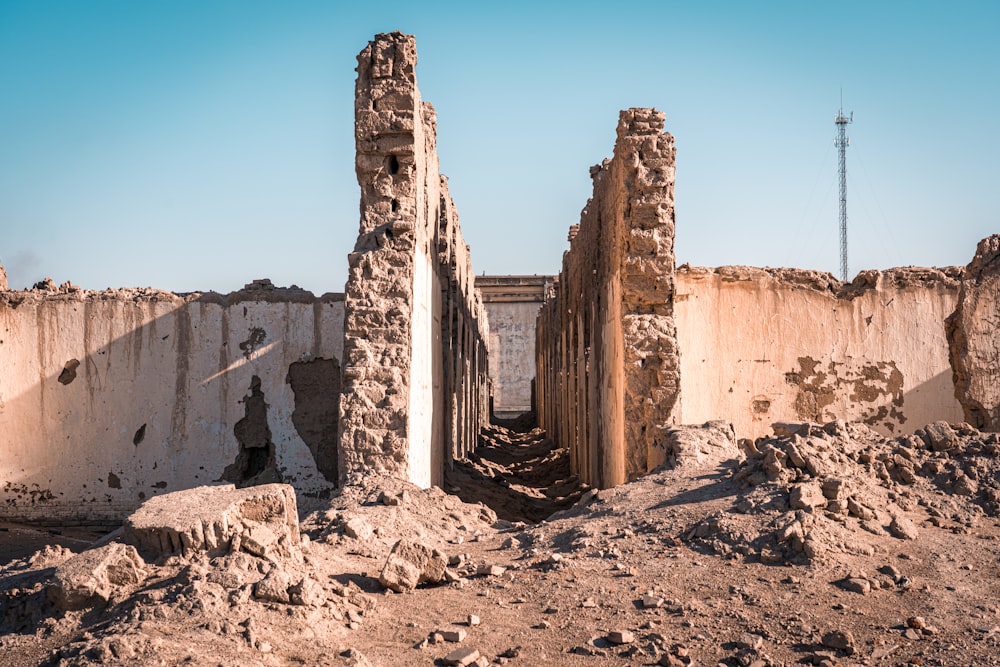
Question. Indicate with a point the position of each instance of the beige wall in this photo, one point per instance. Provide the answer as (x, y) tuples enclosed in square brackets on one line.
[(760, 346), (108, 398)]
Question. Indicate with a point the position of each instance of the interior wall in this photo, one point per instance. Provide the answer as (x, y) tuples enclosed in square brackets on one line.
[(108, 398), (760, 346)]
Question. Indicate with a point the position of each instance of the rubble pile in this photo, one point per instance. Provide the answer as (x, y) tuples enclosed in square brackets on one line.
[(815, 491)]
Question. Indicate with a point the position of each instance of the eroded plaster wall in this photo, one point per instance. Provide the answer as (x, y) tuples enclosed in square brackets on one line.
[(760, 346), (606, 343), (108, 398), (415, 373)]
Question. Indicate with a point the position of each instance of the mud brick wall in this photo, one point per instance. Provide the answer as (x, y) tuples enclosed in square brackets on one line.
[(974, 338), (606, 343), (415, 376), (760, 346), (109, 398)]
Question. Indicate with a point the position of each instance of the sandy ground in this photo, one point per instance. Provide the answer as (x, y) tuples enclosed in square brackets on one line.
[(733, 556)]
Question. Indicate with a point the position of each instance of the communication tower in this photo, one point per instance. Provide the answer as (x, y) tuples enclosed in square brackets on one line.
[(842, 142)]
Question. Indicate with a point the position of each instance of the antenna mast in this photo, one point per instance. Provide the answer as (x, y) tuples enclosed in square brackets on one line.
[(842, 142)]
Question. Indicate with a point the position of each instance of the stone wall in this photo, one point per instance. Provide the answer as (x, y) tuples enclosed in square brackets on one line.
[(974, 338), (760, 346), (415, 376), (108, 398), (606, 340), (512, 303)]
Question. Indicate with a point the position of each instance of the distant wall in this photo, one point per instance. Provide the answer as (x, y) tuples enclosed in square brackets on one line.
[(108, 398), (765, 345), (416, 334), (512, 303), (607, 349)]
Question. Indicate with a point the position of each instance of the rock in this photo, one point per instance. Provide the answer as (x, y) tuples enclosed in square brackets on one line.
[(453, 635), (490, 570), (274, 587), (92, 577), (750, 641), (940, 437), (621, 637), (651, 602), (856, 585), (308, 592), (462, 657), (808, 496), (840, 640), (214, 519), (902, 528), (359, 529), (410, 564), (472, 620), (695, 446)]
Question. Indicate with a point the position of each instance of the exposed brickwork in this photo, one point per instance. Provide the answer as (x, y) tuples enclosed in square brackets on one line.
[(415, 332), (606, 347)]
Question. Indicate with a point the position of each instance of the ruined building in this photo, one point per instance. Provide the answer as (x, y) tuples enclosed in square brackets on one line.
[(108, 398)]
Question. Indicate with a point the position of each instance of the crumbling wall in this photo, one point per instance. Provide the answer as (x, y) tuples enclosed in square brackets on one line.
[(512, 303), (415, 377), (974, 338), (606, 343), (108, 398), (776, 345)]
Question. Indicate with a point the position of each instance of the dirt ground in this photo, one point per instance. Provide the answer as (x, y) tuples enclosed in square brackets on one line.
[(827, 546)]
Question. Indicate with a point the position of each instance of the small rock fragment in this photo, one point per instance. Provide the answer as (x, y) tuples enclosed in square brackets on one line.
[(462, 657), (621, 637), (840, 640)]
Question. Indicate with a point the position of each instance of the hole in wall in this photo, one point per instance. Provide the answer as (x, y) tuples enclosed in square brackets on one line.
[(393, 167), (254, 340), (394, 205), (316, 387), (140, 434), (255, 463), (69, 371)]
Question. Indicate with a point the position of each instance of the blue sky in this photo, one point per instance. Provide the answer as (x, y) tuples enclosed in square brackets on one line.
[(199, 145)]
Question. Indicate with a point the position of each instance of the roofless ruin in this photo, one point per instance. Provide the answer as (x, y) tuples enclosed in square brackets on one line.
[(110, 398)]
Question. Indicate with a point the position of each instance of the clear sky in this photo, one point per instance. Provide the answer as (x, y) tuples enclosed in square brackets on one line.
[(195, 144)]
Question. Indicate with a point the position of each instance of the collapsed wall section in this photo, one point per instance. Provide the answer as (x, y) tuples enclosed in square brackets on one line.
[(415, 376), (109, 398), (787, 345), (974, 338), (606, 343)]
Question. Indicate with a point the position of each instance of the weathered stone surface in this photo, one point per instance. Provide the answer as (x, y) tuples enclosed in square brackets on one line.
[(410, 564), (262, 520), (974, 338), (694, 446), (410, 292), (606, 341), (92, 577)]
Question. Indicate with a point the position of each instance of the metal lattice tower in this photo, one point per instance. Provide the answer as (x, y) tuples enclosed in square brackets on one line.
[(841, 142)]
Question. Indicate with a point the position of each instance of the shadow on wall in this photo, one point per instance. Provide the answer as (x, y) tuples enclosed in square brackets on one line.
[(109, 398)]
